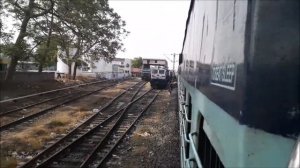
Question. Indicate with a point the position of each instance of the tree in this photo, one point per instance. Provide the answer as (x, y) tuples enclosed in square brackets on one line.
[(92, 28), (46, 55), (137, 62), (24, 11), (97, 29)]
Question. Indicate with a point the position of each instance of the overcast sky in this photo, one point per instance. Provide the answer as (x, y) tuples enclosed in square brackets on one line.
[(156, 27)]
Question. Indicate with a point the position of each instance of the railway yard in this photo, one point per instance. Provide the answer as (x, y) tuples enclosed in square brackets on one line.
[(93, 124)]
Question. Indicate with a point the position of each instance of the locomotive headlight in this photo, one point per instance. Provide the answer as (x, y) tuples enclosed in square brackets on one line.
[(295, 160)]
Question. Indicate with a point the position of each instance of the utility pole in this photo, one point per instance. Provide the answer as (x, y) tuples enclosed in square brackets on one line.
[(174, 62)]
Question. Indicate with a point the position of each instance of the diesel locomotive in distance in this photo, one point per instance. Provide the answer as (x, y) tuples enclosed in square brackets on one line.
[(238, 84), (160, 77), (148, 63)]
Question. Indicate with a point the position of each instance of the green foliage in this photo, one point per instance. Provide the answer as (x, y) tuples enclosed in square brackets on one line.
[(7, 49), (97, 29), (91, 27), (22, 51), (46, 55), (137, 62)]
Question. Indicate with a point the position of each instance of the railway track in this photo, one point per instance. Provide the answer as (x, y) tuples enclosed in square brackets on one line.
[(15, 104), (100, 154), (13, 118), (99, 133)]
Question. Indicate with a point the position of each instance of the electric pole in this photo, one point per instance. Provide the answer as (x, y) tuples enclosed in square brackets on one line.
[(174, 62)]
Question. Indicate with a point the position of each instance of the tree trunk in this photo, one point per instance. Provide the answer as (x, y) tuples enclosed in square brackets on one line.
[(40, 67), (46, 53), (70, 70), (18, 44), (74, 71), (11, 69)]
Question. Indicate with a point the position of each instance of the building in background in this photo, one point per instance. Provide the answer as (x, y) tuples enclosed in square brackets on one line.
[(136, 72), (116, 69), (4, 61)]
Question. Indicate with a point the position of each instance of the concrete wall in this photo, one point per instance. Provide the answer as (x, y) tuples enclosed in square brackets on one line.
[(118, 68), (112, 70), (30, 76), (102, 66), (127, 66)]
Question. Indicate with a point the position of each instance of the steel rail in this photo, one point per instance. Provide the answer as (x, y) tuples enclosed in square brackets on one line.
[(33, 161), (21, 120), (88, 160), (34, 104), (91, 131), (50, 91)]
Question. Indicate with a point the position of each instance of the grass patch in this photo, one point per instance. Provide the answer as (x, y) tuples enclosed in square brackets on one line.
[(59, 121), (39, 131), (84, 108), (81, 114), (138, 140), (8, 162), (33, 139), (23, 142), (55, 123)]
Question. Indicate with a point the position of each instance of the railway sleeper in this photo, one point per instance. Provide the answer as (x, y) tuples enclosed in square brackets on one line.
[(102, 153), (126, 123), (132, 116), (122, 128), (97, 121), (77, 136), (97, 137), (112, 141), (120, 132), (100, 119), (69, 162), (105, 128), (81, 132), (101, 133), (88, 145), (75, 154), (85, 129), (116, 136), (59, 166)]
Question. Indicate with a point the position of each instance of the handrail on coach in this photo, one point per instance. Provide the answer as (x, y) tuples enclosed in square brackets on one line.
[(188, 138), (185, 114), (196, 156)]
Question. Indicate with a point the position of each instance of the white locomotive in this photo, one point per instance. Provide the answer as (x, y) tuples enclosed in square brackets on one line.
[(160, 77)]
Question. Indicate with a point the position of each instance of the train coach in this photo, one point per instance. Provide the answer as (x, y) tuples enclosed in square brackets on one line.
[(238, 86)]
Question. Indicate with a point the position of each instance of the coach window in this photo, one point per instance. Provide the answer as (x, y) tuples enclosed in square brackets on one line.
[(189, 112), (154, 71), (207, 153), (184, 94)]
